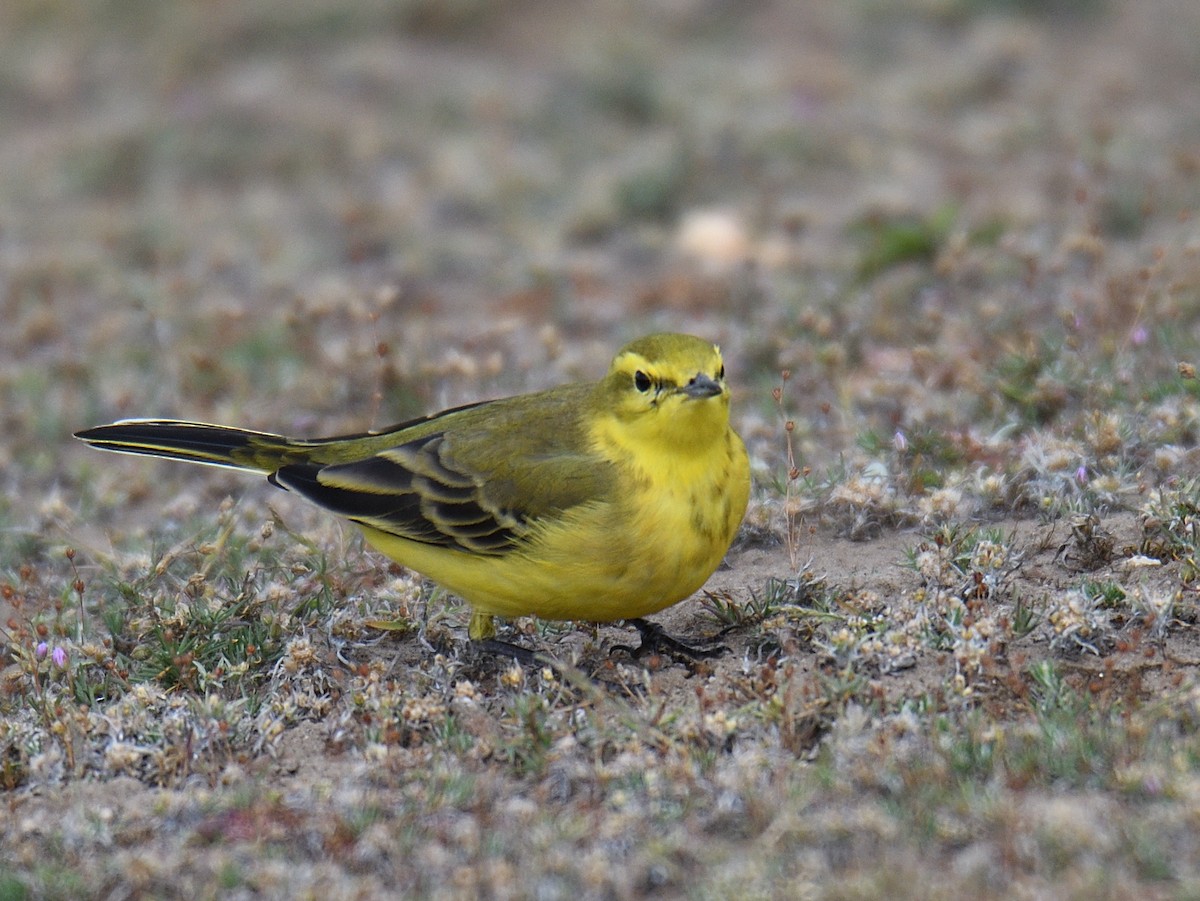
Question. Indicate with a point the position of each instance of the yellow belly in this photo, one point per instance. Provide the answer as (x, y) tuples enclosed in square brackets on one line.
[(602, 562)]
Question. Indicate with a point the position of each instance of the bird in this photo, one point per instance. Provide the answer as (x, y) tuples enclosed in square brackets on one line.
[(596, 501)]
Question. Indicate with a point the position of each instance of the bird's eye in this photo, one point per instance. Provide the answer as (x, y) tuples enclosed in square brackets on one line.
[(721, 372), (641, 381)]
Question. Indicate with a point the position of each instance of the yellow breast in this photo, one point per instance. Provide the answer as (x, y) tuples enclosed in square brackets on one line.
[(652, 544)]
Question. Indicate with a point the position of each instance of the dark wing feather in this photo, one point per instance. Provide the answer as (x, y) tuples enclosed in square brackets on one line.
[(407, 491), (479, 483)]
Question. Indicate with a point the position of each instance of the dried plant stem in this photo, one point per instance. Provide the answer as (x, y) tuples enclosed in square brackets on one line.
[(791, 512)]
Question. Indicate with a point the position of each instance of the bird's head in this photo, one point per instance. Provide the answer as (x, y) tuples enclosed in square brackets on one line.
[(668, 389)]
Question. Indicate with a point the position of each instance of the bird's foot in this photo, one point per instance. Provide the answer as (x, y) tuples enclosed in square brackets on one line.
[(655, 640)]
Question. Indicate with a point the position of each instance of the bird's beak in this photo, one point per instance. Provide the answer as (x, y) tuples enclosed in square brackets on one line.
[(701, 386)]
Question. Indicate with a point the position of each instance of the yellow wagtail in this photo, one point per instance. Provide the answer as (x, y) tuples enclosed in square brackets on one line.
[(599, 501)]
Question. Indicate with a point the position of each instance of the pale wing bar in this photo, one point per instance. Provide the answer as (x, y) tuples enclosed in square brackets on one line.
[(409, 491)]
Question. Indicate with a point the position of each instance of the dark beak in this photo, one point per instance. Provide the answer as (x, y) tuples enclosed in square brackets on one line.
[(701, 386)]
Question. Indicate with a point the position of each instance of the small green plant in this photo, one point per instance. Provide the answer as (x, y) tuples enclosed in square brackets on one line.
[(212, 611), (1025, 618), (1171, 525), (1032, 382), (531, 734), (655, 191), (923, 456), (888, 240), (727, 611), (974, 562), (1048, 691), (968, 743), (1106, 594)]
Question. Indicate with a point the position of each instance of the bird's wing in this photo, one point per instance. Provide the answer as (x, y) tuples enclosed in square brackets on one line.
[(479, 485)]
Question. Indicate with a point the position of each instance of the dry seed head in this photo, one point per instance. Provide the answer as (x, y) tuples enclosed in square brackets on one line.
[(513, 677), (465, 690)]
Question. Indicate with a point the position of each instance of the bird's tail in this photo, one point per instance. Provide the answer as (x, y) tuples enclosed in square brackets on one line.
[(198, 442)]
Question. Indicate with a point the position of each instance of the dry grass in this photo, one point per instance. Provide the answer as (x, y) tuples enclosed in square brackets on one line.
[(951, 243)]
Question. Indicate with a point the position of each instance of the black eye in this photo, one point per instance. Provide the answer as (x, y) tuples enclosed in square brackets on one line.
[(721, 372), (641, 381)]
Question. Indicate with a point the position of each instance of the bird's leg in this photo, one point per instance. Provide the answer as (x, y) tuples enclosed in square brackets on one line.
[(656, 639), (482, 632), (482, 626), (505, 649)]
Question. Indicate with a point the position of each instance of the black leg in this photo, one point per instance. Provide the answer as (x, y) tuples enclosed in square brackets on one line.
[(656, 640)]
